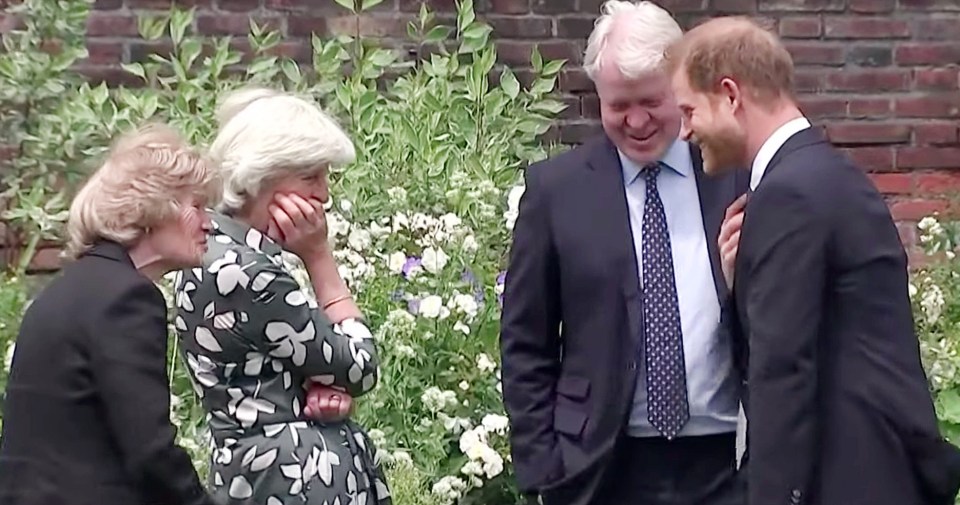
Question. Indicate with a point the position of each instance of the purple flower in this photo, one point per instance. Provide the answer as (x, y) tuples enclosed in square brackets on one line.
[(397, 296), (471, 279), (501, 280), (411, 263), (413, 306)]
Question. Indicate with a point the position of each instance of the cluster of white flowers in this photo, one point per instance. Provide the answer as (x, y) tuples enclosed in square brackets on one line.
[(8, 357), (437, 401), (449, 489), (931, 229), (483, 459), (932, 303)]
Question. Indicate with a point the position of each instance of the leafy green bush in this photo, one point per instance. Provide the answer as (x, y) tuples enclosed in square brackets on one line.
[(421, 220)]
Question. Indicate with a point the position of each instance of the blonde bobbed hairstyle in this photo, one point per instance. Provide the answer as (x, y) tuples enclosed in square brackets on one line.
[(267, 134), (147, 173)]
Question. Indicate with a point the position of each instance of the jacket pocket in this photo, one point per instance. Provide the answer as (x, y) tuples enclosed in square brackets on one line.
[(573, 387)]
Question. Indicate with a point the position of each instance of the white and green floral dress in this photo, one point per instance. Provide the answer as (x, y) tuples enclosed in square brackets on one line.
[(252, 336)]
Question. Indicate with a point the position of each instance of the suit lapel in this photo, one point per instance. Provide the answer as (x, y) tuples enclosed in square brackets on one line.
[(714, 192), (615, 237)]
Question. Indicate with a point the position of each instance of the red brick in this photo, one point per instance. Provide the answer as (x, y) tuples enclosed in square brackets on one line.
[(869, 56), (113, 76), (893, 184), (915, 210), (515, 7), (939, 28), (865, 28), (816, 53), (574, 28), (110, 24), (930, 106), (935, 134), (872, 6), (102, 53), (860, 108), (928, 157), (867, 133), (590, 106), (801, 5), (518, 53), (578, 132), (369, 26), (872, 159), (104, 5), (553, 6), (433, 5), (525, 27), (819, 107), (869, 80), (944, 79), (166, 4), (807, 80), (234, 24), (237, 5), (928, 53), (733, 6), (801, 27), (141, 51), (939, 5), (938, 183), (575, 81), (45, 260)]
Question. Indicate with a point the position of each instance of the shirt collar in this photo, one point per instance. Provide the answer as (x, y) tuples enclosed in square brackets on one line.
[(242, 234), (677, 158), (772, 145)]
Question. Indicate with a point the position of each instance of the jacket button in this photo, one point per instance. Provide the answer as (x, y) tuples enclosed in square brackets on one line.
[(632, 366)]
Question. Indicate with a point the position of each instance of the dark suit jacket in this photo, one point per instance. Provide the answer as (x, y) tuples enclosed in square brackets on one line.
[(86, 418), (839, 410), (568, 391)]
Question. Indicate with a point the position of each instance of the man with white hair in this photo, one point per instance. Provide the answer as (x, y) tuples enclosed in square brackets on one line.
[(620, 374)]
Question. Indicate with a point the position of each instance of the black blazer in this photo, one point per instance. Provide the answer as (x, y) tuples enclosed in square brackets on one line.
[(86, 417), (573, 262), (839, 410)]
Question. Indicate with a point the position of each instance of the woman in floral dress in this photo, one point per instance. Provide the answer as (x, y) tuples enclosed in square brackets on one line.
[(255, 340)]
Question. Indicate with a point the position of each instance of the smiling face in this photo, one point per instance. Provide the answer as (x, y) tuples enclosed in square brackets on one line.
[(710, 121), (639, 115)]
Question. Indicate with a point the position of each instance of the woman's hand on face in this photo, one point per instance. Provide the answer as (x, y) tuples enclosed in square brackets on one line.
[(300, 225)]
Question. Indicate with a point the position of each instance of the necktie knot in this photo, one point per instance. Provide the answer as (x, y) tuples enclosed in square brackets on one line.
[(651, 171)]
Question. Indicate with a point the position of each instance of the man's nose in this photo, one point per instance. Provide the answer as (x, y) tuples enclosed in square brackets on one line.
[(637, 118)]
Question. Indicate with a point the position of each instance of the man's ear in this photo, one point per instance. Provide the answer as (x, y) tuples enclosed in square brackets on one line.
[(732, 93)]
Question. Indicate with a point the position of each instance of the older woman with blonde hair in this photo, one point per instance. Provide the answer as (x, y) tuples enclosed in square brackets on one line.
[(257, 342), (87, 412)]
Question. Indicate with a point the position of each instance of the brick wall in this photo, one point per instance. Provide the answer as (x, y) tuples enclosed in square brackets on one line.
[(880, 75)]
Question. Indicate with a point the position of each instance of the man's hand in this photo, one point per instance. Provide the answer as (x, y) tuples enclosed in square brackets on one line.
[(327, 404), (729, 239)]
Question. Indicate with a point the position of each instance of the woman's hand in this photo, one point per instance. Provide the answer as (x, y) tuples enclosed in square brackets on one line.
[(300, 225), (327, 404)]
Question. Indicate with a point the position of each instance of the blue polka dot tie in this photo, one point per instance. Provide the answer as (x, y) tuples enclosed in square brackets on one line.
[(667, 408)]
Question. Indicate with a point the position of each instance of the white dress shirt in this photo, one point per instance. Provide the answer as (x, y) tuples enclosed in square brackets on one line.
[(772, 145)]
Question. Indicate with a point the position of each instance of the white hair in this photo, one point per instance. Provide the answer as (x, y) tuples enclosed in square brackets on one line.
[(644, 31), (265, 134)]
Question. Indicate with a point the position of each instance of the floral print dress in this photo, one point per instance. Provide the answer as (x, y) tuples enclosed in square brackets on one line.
[(253, 337)]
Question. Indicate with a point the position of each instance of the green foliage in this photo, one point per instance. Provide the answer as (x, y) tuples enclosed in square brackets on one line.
[(13, 301), (440, 141)]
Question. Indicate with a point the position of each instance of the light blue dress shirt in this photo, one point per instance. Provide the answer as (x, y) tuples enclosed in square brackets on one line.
[(711, 381)]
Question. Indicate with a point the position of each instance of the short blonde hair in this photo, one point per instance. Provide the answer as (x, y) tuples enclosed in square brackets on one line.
[(738, 48), (265, 134), (645, 30), (146, 174)]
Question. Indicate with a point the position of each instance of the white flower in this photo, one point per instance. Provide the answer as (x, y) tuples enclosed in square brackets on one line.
[(450, 222), (513, 206), (455, 425), (336, 225), (378, 437), (470, 244), (405, 351), (912, 290), (436, 400), (472, 442), (434, 259), (932, 303), (359, 239), (400, 222), (377, 230), (463, 328), (397, 194), (8, 357), (466, 304), (449, 489), (495, 423), (402, 458), (464, 385), (396, 261), (430, 307), (485, 364), (346, 205)]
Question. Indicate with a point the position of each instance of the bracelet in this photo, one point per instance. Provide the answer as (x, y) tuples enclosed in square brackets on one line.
[(337, 300)]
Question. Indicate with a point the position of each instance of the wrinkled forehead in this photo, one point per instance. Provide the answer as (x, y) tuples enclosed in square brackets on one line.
[(613, 85)]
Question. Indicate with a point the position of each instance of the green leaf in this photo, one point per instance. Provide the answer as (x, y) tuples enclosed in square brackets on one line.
[(438, 33), (465, 14), (509, 83), (382, 57), (369, 4), (536, 59), (179, 21), (543, 86), (550, 106), (553, 67), (948, 403), (135, 69), (261, 65), (291, 70), (348, 4), (189, 51), (477, 30)]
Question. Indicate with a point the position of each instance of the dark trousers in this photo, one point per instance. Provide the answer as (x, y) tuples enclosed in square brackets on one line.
[(684, 471)]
